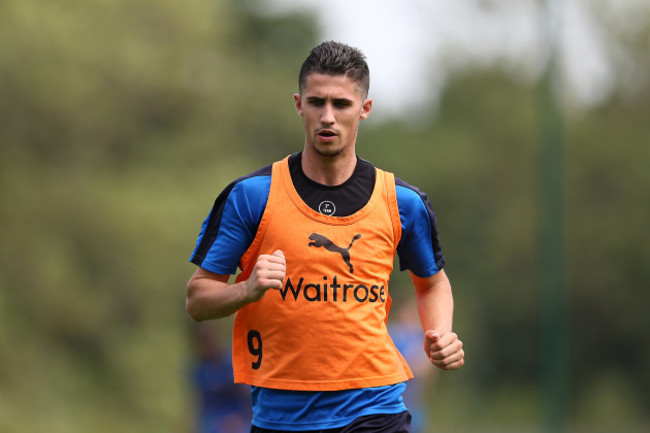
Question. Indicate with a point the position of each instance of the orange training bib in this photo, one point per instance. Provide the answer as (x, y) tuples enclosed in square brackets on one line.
[(326, 329)]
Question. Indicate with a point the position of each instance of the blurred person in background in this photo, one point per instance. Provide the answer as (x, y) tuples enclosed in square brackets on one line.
[(315, 236), (222, 406), (406, 331)]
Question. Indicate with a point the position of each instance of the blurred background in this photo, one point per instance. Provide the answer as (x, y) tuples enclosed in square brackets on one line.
[(525, 121)]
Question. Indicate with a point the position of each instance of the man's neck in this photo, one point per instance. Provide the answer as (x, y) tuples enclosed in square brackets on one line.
[(328, 170)]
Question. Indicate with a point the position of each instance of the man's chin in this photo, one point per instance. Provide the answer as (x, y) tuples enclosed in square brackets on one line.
[(328, 151)]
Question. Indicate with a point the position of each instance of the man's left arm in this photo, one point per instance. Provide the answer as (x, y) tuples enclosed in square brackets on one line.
[(436, 310)]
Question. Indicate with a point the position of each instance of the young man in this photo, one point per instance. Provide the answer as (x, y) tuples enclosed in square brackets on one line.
[(315, 236)]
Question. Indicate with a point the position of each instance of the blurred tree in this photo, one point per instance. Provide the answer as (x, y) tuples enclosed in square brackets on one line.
[(115, 119)]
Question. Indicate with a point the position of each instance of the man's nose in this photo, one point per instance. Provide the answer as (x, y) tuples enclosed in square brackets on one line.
[(327, 115)]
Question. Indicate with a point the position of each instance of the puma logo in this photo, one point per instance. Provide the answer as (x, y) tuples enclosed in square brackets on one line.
[(322, 241)]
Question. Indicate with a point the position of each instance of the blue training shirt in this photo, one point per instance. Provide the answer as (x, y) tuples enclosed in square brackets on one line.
[(227, 233)]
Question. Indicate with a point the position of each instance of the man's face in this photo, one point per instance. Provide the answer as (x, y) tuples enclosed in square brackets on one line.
[(332, 107)]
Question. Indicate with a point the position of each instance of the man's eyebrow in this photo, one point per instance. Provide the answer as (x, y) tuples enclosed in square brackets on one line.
[(334, 100)]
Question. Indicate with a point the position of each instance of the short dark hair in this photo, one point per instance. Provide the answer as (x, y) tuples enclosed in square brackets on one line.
[(336, 58)]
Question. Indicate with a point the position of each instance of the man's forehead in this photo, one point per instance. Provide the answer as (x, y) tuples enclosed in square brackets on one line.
[(336, 86)]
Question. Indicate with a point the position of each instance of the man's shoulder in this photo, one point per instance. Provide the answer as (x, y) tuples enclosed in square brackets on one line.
[(408, 194), (258, 181), (399, 182), (257, 175)]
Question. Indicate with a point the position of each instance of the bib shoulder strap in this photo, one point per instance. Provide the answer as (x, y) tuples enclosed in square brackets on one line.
[(276, 183), (391, 196)]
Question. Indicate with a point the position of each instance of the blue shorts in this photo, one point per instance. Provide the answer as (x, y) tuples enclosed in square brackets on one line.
[(380, 423)]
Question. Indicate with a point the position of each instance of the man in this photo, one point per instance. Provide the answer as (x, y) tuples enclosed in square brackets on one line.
[(315, 236), (222, 405)]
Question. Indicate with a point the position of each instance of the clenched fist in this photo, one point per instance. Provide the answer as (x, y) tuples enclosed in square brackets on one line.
[(268, 273), (444, 350)]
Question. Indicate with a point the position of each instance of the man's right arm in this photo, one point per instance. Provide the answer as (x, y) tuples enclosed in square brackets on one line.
[(226, 234), (209, 296)]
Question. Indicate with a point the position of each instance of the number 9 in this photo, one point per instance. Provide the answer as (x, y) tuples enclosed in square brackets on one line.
[(255, 348)]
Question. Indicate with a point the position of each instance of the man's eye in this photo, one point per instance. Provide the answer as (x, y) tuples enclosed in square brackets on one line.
[(341, 104)]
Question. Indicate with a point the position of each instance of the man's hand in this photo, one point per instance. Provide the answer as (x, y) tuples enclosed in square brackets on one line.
[(444, 350), (268, 273)]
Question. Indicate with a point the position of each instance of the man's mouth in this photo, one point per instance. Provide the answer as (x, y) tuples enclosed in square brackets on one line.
[(326, 133)]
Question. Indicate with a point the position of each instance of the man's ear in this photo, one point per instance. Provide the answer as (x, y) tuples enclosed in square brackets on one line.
[(298, 103), (366, 108)]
